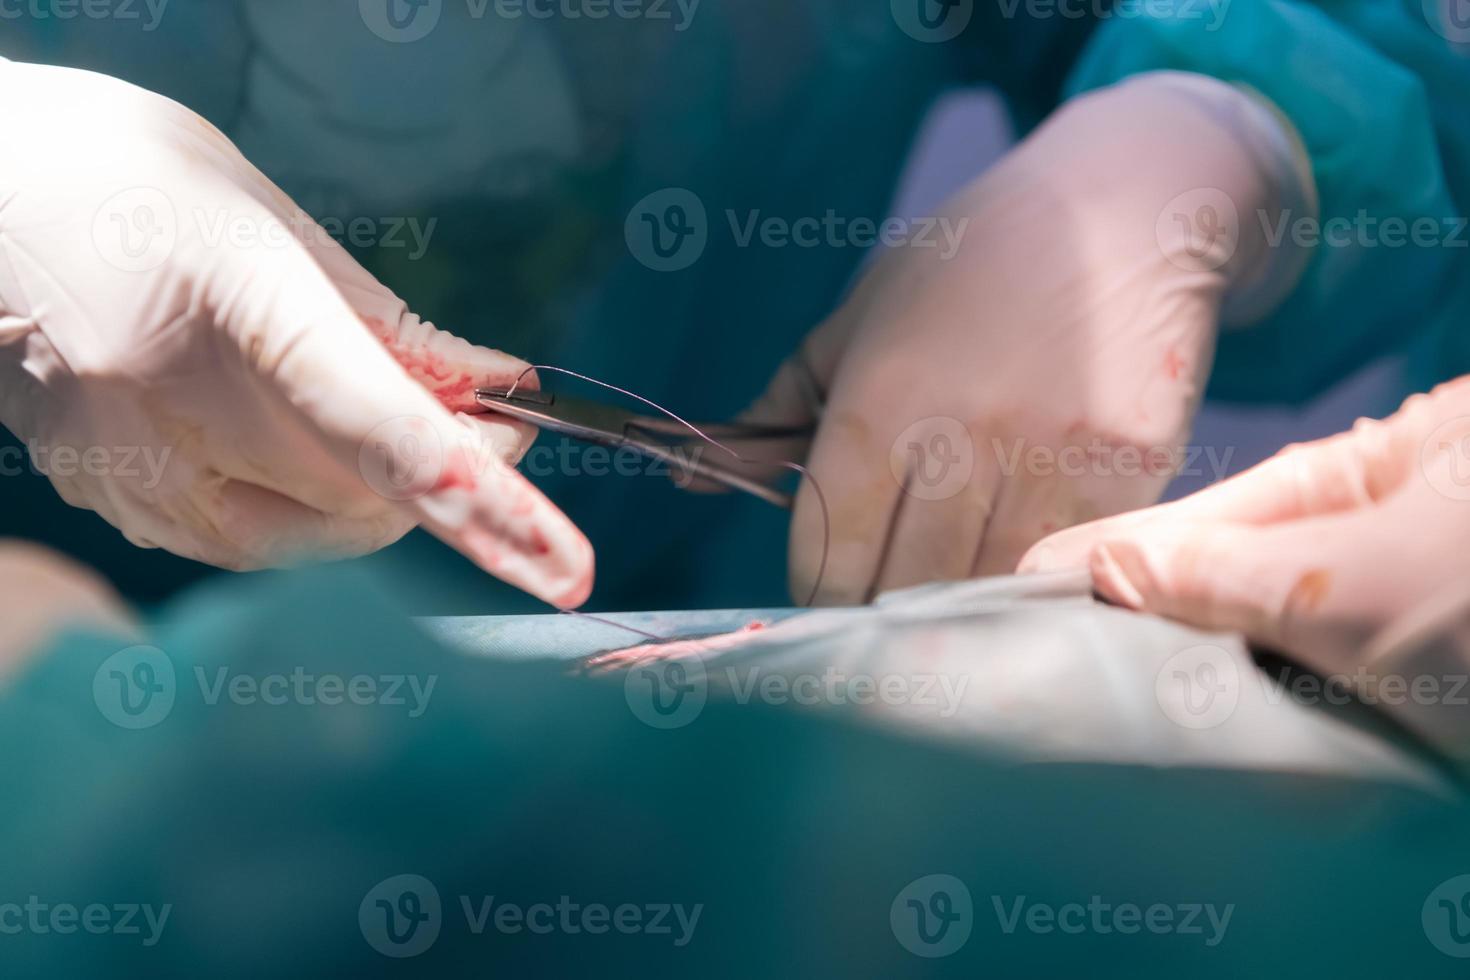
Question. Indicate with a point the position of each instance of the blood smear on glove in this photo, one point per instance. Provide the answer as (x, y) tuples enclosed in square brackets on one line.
[(453, 386), (787, 464)]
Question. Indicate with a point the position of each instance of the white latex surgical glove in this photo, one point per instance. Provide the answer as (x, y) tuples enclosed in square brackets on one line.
[(1047, 371), (192, 357), (1311, 553)]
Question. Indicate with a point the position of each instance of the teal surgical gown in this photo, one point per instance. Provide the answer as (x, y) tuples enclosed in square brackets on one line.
[(499, 169)]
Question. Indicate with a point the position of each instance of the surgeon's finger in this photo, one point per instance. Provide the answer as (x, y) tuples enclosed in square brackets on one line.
[(850, 474), (938, 530), (797, 393), (283, 458), (1323, 477), (243, 526), (251, 527), (1298, 587), (451, 369), (1034, 504), (300, 336), (1026, 507), (794, 399), (449, 366)]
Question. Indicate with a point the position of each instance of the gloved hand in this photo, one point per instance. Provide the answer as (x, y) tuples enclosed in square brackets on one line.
[(198, 362), (1048, 371), (1313, 551)]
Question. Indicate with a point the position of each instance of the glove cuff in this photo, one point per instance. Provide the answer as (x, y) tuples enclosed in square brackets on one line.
[(1266, 265), (1273, 141)]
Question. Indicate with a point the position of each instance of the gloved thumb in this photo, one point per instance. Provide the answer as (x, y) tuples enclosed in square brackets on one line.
[(299, 335), (795, 395)]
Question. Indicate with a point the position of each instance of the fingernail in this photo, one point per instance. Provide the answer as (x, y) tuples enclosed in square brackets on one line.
[(1110, 578), (562, 576), (1042, 558), (580, 588)]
